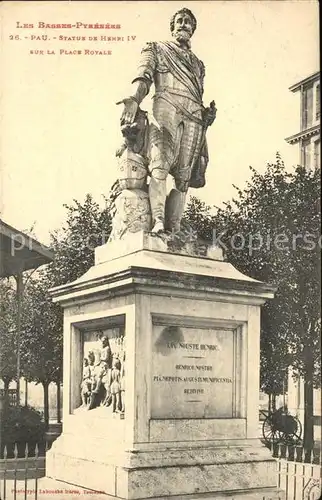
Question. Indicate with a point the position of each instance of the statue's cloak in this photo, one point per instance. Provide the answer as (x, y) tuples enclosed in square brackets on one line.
[(189, 71)]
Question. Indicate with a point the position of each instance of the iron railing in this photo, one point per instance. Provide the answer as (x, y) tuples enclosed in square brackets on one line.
[(10, 395), (299, 472), (19, 475)]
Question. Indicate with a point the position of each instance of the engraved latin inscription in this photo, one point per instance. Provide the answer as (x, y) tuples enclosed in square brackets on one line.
[(192, 372)]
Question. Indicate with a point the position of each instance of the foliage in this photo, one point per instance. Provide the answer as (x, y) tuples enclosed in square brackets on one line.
[(278, 219), (8, 358), (41, 342), (271, 232), (198, 216), (21, 424), (87, 226)]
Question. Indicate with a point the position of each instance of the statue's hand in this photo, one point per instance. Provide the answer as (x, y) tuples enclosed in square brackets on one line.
[(120, 150), (129, 112), (210, 114)]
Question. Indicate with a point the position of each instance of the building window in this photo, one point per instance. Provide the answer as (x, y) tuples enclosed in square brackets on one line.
[(317, 153), (317, 102), (306, 153), (307, 107)]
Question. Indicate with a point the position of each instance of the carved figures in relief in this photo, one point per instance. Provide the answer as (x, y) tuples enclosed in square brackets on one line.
[(116, 384), (123, 384), (103, 375), (86, 384), (88, 379)]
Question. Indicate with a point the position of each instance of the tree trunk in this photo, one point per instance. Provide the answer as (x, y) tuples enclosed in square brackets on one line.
[(46, 403), (269, 403), (308, 441), (58, 403), (6, 381), (273, 402)]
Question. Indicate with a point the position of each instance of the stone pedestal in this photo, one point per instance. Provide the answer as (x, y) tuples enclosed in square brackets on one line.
[(191, 326)]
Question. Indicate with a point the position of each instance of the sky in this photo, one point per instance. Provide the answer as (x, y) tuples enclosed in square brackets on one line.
[(60, 122)]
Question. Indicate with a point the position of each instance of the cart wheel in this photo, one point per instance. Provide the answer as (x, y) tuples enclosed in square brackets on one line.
[(298, 431), (271, 435), (294, 437)]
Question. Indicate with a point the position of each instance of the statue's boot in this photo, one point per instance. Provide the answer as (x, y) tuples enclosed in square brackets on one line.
[(174, 210), (158, 227), (157, 195)]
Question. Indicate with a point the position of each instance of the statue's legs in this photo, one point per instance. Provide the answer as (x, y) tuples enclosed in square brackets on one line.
[(188, 138), (174, 209), (122, 401), (116, 402), (84, 398), (174, 148), (108, 396), (159, 168)]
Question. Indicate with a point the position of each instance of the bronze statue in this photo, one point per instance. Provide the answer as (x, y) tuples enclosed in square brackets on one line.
[(176, 138)]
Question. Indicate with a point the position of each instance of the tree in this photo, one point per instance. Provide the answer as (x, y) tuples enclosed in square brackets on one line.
[(87, 226), (199, 217), (41, 341), (8, 357), (270, 231)]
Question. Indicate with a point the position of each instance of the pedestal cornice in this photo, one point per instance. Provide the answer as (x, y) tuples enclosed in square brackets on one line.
[(163, 273)]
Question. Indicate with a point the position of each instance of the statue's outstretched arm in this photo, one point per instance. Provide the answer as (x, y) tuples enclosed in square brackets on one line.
[(141, 84), (131, 104)]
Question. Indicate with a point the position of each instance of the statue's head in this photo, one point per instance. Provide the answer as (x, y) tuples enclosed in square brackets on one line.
[(116, 363), (104, 340), (91, 357), (183, 24)]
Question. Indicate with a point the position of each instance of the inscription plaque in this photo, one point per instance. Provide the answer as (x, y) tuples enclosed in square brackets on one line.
[(193, 372)]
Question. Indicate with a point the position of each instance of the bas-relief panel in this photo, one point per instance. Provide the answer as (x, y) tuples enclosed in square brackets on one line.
[(103, 372), (193, 372)]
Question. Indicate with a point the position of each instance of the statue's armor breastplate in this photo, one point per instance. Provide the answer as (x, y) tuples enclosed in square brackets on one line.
[(166, 82), (154, 67)]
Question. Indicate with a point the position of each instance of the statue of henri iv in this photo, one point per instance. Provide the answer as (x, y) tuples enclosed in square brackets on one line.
[(176, 139)]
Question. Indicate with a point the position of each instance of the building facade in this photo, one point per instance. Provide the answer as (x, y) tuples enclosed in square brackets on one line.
[(308, 142), (308, 139)]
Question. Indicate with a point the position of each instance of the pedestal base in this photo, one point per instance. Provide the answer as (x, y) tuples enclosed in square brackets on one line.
[(239, 469), (191, 326)]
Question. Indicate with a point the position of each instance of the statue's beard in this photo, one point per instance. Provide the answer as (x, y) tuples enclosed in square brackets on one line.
[(181, 35)]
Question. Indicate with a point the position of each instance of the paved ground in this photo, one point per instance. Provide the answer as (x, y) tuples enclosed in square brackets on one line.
[(49, 489)]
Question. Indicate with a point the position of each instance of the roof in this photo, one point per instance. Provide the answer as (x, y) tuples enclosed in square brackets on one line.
[(19, 252), (311, 78)]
